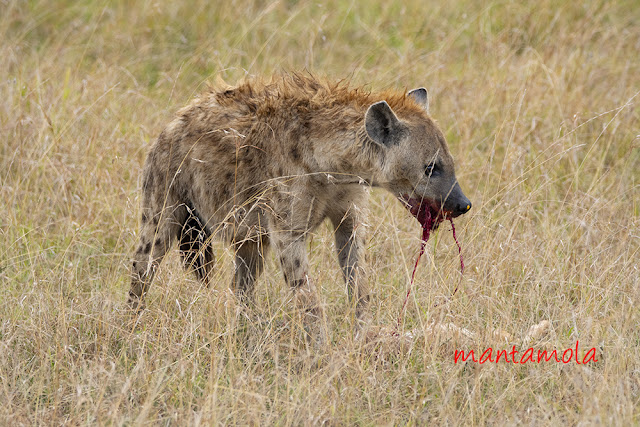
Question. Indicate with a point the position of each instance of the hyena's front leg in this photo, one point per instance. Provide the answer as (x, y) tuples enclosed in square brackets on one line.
[(349, 236), (292, 254)]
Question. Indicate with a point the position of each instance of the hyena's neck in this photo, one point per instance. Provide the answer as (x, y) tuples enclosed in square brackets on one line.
[(351, 158)]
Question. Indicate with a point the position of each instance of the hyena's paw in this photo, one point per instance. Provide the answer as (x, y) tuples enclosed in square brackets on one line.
[(360, 325), (135, 303), (314, 326)]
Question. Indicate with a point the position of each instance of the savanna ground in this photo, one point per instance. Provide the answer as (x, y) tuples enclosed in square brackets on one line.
[(539, 105)]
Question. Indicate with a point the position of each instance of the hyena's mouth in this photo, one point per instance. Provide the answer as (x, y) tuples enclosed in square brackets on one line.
[(428, 214)]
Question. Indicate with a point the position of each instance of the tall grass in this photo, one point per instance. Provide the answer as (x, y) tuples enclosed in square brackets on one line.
[(539, 104)]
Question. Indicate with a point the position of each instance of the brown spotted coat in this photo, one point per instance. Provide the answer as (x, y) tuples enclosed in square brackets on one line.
[(262, 164)]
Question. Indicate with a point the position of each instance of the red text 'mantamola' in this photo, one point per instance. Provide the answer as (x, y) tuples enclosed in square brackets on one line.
[(529, 355)]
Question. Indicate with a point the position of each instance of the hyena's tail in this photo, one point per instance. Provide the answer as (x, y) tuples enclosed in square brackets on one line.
[(195, 245)]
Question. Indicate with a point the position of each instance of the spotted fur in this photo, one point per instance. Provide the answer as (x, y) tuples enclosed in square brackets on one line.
[(262, 164)]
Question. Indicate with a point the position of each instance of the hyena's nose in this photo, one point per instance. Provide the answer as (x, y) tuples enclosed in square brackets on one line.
[(462, 207), (457, 203)]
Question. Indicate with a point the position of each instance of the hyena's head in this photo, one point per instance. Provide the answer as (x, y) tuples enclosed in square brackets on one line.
[(418, 167)]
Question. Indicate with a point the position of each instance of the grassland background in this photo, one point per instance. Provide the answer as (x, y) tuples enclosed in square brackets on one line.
[(538, 101)]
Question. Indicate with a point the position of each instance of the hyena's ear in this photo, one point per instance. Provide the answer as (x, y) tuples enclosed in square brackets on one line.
[(421, 97), (381, 124)]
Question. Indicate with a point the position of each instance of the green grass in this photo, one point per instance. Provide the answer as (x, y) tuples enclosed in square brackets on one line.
[(539, 104)]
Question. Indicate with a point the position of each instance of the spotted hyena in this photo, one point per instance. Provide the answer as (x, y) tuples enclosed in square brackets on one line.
[(263, 164)]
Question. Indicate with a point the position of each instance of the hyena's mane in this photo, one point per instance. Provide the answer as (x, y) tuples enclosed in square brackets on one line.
[(260, 96)]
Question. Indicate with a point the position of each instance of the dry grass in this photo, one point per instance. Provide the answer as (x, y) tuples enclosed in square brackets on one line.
[(539, 103)]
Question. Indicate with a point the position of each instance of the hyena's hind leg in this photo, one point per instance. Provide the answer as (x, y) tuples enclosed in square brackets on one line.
[(195, 247), (249, 263), (157, 233)]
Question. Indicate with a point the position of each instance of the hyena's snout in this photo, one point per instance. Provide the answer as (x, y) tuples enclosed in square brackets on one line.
[(456, 202)]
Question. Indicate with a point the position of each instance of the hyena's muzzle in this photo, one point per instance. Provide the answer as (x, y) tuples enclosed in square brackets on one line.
[(433, 211), (455, 203)]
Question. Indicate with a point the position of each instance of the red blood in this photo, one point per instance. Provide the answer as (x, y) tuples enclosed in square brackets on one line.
[(453, 230), (429, 218)]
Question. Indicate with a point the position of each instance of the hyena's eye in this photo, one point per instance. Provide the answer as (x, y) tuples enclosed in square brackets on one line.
[(432, 169)]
